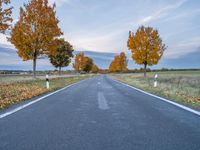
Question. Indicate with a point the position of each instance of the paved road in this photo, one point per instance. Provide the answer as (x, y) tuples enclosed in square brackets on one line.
[(100, 114)]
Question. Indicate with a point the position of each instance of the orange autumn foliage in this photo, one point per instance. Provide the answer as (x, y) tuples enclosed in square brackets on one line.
[(5, 15), (77, 65), (119, 64), (146, 46), (95, 69), (33, 35), (82, 63)]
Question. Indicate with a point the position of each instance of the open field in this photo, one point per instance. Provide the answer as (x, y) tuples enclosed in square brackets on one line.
[(189, 73), (12, 78), (182, 87), (14, 89)]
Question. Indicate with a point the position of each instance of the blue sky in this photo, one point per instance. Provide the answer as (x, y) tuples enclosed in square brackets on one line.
[(103, 26)]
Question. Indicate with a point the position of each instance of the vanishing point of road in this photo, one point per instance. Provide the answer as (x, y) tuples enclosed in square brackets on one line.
[(100, 114)]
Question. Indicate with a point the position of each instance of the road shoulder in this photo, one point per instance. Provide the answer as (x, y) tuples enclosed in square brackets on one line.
[(160, 98)]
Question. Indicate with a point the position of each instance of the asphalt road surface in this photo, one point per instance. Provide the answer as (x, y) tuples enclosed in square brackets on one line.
[(100, 114)]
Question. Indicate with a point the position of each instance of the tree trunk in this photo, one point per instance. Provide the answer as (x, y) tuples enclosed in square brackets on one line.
[(34, 67), (145, 70), (59, 70)]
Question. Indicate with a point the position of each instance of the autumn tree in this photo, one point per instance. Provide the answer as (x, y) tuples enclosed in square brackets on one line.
[(77, 65), (95, 69), (112, 66), (87, 64), (34, 33), (119, 64), (123, 62), (5, 15), (62, 56), (82, 63), (146, 46)]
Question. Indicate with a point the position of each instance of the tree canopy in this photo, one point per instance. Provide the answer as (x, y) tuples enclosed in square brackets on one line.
[(77, 65), (95, 68), (62, 56), (146, 46), (34, 33), (5, 15), (82, 63), (119, 64)]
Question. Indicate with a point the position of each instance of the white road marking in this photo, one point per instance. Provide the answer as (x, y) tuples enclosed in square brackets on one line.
[(35, 101), (161, 98), (102, 103)]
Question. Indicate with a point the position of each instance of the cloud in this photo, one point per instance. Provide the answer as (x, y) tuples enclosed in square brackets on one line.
[(183, 48), (91, 25), (112, 37), (162, 12), (98, 41), (182, 15), (4, 41)]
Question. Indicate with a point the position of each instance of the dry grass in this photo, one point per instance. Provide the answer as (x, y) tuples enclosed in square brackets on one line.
[(7, 79), (15, 90), (182, 88)]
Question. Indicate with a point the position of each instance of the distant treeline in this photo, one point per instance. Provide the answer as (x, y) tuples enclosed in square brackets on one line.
[(101, 71), (141, 70), (30, 72), (159, 70)]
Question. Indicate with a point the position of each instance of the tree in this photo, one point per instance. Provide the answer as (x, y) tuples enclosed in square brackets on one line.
[(33, 35), (146, 46), (5, 16), (123, 62), (82, 63), (95, 69), (112, 67), (63, 54), (119, 64), (87, 64), (78, 61)]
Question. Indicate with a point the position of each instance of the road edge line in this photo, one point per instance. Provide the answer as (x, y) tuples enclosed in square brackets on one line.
[(3, 115), (161, 98)]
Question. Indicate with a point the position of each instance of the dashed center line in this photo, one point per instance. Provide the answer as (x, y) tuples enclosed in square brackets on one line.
[(102, 103)]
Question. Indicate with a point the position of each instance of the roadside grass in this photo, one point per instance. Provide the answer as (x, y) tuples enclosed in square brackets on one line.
[(187, 73), (181, 87), (15, 91), (7, 79)]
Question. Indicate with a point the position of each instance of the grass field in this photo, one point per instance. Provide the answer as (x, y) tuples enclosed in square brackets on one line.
[(192, 74), (180, 86), (14, 89), (6, 79)]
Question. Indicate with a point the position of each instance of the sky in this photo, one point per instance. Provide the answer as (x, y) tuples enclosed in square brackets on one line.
[(103, 25)]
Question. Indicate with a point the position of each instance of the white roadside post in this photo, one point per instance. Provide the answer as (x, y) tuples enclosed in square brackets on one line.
[(47, 81), (155, 80)]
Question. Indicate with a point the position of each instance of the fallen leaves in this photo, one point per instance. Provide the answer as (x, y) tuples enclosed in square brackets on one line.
[(187, 98), (16, 92)]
